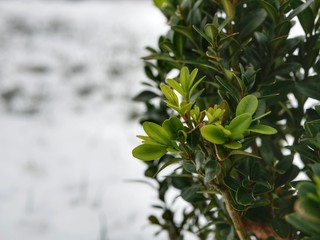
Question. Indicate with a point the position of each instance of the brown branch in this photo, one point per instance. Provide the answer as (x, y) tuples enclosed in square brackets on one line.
[(235, 217)]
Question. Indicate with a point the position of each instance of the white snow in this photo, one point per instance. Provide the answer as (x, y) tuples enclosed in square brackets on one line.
[(68, 71)]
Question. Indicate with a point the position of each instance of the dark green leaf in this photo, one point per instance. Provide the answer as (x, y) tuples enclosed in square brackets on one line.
[(189, 167), (244, 197), (168, 163), (244, 153), (300, 223), (299, 9), (211, 31), (211, 169), (186, 31), (154, 220), (199, 159), (280, 227), (231, 183), (310, 87), (145, 96), (309, 210), (190, 194), (252, 21), (271, 10)]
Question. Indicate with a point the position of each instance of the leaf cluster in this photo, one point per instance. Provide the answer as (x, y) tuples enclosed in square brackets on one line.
[(223, 128)]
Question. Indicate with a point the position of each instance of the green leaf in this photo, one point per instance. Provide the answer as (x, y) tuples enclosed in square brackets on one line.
[(202, 34), (199, 160), (309, 87), (252, 21), (149, 152), (280, 227), (184, 75), (306, 188), (145, 96), (228, 87), (191, 79), (271, 10), (261, 116), (263, 129), (231, 183), (159, 3), (169, 94), (157, 133), (211, 31), (186, 31), (248, 104), (244, 153), (213, 134), (239, 125), (153, 220), (190, 194), (189, 167), (299, 9), (262, 187), (172, 126), (168, 163), (233, 145), (176, 86), (300, 223), (244, 197), (309, 210), (211, 169)]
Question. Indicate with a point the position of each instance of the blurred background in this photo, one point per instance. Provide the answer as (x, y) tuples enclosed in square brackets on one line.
[(68, 72)]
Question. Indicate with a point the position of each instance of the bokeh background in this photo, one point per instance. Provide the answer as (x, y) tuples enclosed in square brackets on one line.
[(68, 72)]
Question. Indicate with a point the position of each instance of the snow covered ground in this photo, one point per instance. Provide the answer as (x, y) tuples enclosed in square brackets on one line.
[(68, 71)]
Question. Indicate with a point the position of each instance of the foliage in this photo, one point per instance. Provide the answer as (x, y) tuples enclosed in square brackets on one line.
[(307, 208), (224, 122)]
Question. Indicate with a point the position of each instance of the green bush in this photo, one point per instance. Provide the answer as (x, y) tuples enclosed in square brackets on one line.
[(224, 123)]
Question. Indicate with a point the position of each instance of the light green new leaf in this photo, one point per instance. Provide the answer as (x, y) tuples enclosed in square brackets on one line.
[(213, 134), (149, 152), (192, 90), (145, 138), (248, 104), (191, 79), (157, 133), (176, 86), (169, 94), (263, 129), (184, 74), (233, 145), (172, 126), (239, 125), (159, 3)]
